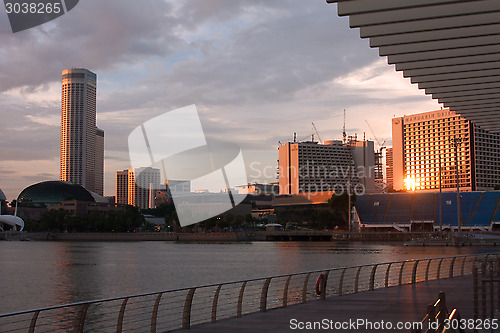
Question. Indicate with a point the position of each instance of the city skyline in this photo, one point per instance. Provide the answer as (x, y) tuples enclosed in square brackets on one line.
[(253, 69)]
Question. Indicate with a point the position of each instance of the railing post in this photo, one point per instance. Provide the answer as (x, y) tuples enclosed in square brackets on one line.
[(119, 323), (401, 273), (240, 299), (427, 270), (80, 321), (387, 275), (263, 295), (483, 265), (442, 309), (475, 280), (414, 273), (372, 277), (186, 314), (431, 312), (214, 303), (439, 269), (341, 281), (492, 290), (483, 288), (33, 321), (285, 291), (304, 288), (323, 285), (452, 265), (154, 315), (356, 280), (497, 274), (462, 270)]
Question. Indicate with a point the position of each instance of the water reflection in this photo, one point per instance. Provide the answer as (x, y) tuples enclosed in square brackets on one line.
[(36, 274)]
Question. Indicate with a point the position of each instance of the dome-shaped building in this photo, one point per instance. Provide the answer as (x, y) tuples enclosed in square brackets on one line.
[(51, 193)]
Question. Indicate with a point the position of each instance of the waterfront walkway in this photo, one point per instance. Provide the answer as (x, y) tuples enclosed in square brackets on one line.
[(406, 303)]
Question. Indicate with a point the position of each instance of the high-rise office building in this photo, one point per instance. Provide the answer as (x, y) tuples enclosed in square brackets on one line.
[(424, 153), (99, 161), (137, 187), (389, 168), (307, 167), (121, 182), (82, 143)]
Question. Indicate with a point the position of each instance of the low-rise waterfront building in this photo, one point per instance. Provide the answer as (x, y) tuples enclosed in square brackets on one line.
[(259, 189), (428, 211)]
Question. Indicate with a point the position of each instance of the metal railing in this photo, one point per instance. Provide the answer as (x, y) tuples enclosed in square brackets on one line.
[(486, 279), (181, 308), (438, 319)]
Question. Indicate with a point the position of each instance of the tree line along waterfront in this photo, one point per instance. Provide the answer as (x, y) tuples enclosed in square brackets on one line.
[(332, 215)]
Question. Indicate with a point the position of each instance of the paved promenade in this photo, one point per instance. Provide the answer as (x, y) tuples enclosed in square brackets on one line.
[(406, 303)]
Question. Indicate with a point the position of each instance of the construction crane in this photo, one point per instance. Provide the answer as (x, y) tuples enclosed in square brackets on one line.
[(316, 130), (381, 145), (379, 175)]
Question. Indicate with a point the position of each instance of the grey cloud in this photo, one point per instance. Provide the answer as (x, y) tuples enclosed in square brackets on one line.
[(98, 35), (43, 176), (267, 62), (7, 172), (194, 13), (25, 140)]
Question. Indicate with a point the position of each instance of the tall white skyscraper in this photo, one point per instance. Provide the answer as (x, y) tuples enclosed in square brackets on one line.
[(82, 143)]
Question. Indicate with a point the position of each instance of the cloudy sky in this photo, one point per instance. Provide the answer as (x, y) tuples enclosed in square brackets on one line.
[(257, 71)]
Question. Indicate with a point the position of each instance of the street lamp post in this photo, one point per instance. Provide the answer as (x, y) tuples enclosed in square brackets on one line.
[(440, 197), (456, 143), (349, 188)]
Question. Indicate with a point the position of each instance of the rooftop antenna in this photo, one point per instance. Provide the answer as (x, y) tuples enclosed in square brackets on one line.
[(344, 135), (294, 136)]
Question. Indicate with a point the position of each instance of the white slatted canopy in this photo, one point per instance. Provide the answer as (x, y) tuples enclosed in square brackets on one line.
[(450, 48)]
